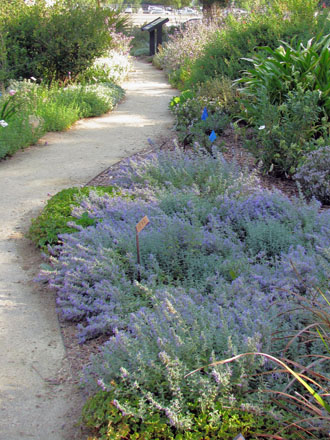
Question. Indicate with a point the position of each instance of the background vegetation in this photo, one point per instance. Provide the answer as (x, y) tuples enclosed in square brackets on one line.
[(229, 272), (48, 42), (263, 71), (58, 64)]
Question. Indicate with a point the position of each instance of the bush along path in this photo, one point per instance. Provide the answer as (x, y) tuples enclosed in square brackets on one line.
[(37, 400)]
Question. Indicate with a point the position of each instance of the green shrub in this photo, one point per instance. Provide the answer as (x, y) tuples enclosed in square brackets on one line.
[(285, 97), (57, 117), (200, 131), (49, 42), (285, 134), (54, 218), (188, 109), (57, 108), (102, 415), (224, 53), (36, 108), (61, 107), (140, 41), (21, 131), (112, 67), (97, 99), (93, 74), (286, 68), (221, 90), (182, 49)]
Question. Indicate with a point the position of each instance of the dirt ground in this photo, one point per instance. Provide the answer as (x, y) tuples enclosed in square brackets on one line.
[(38, 394)]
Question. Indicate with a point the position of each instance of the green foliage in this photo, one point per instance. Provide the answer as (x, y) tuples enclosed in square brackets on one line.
[(105, 418), (285, 133), (109, 423), (269, 238), (140, 41), (61, 107), (188, 108), (285, 96), (180, 76), (221, 90), (58, 117), (48, 42), (93, 74), (97, 99), (287, 68), (36, 109), (225, 52), (200, 131), (20, 132), (54, 218), (8, 106)]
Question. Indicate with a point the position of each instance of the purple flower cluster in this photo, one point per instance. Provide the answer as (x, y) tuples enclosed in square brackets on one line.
[(314, 174), (218, 261), (210, 176), (161, 344), (185, 45)]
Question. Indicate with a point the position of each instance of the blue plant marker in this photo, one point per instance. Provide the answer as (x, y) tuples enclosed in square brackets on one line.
[(204, 114), (212, 136)]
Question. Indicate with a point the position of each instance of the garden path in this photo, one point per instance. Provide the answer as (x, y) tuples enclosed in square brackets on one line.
[(37, 400)]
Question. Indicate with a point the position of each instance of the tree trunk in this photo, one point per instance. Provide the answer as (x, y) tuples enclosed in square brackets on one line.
[(212, 10)]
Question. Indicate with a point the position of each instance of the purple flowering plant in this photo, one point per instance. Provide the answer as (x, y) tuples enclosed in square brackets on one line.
[(215, 275), (183, 48), (314, 174)]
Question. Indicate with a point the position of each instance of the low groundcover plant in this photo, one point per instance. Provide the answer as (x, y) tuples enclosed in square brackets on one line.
[(38, 108), (314, 174), (215, 274)]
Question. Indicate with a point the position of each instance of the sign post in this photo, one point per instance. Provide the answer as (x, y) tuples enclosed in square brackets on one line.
[(155, 25), (138, 228)]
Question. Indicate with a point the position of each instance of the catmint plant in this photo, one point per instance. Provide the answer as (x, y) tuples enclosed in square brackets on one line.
[(218, 261), (314, 174)]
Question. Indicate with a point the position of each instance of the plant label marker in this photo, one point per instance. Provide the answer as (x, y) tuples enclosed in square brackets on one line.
[(204, 114), (212, 136), (142, 224), (138, 228)]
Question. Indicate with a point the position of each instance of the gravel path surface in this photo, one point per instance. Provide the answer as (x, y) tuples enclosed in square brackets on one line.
[(37, 399)]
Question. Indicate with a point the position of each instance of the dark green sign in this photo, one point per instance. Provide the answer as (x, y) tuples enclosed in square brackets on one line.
[(155, 24)]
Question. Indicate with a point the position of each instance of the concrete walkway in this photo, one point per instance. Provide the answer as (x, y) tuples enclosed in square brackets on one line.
[(34, 401)]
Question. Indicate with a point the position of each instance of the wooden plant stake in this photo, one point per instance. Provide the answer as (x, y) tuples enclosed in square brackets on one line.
[(138, 228)]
